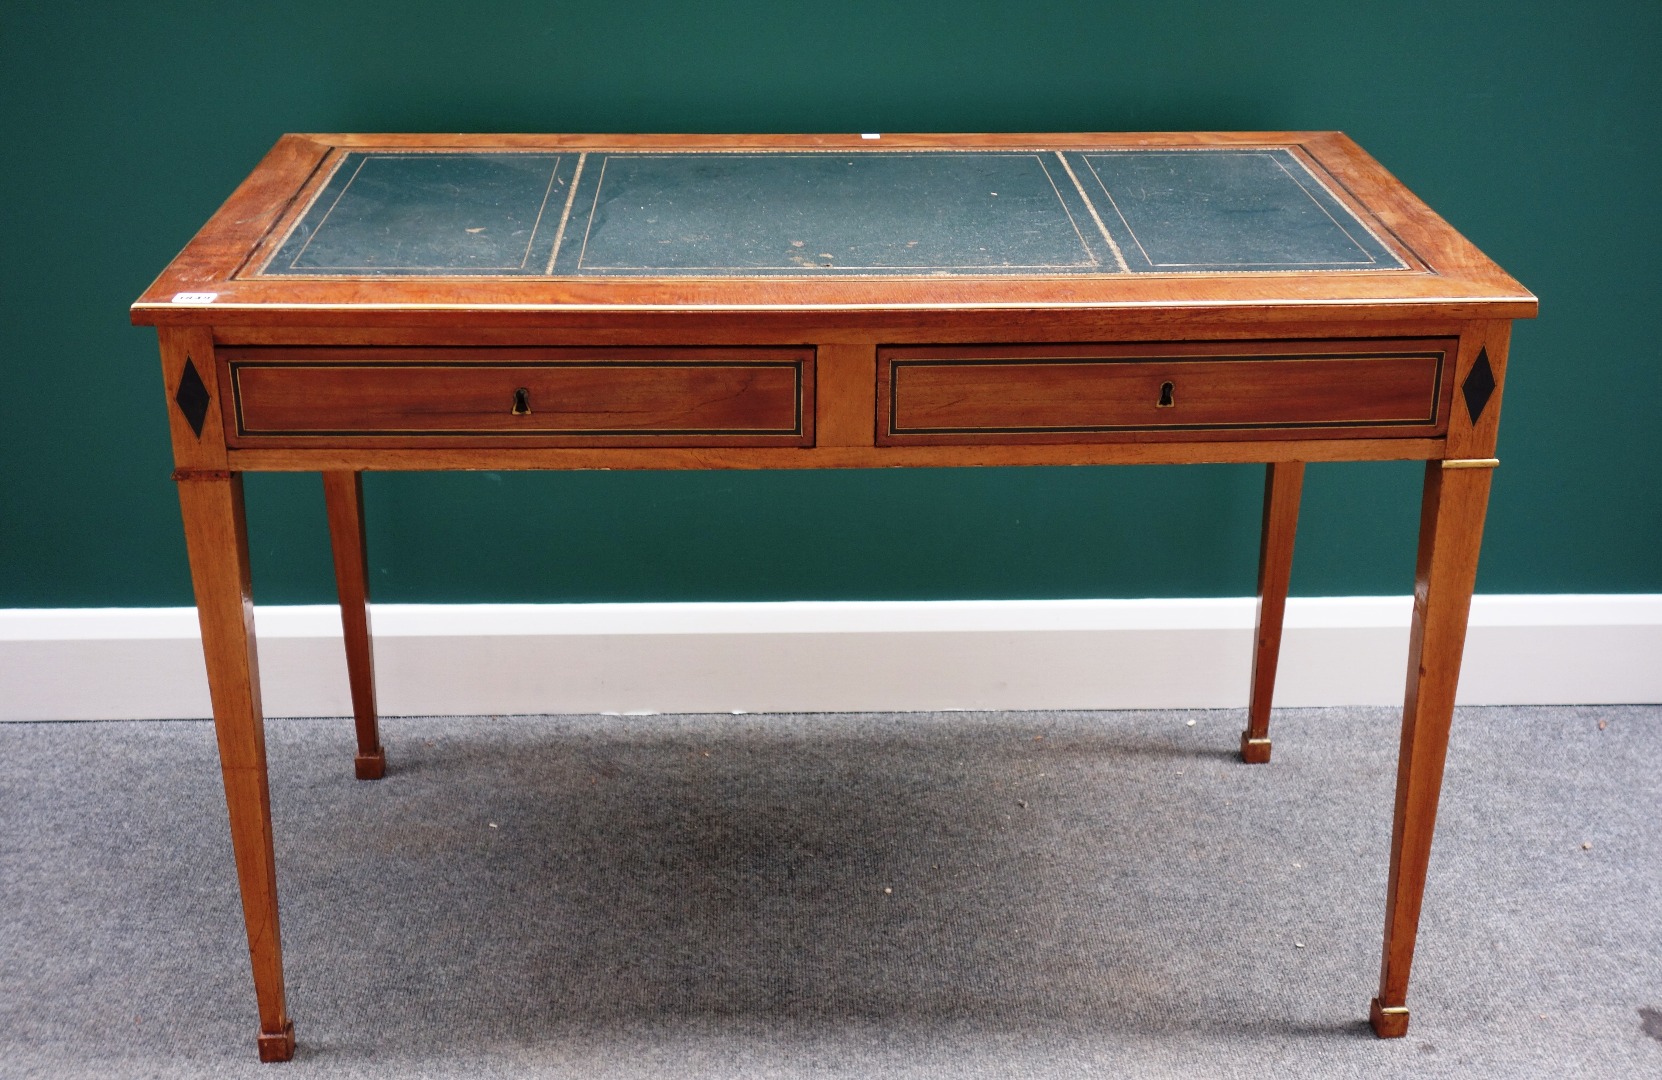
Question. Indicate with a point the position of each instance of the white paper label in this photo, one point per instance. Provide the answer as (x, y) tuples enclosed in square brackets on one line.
[(871, 136), (195, 297)]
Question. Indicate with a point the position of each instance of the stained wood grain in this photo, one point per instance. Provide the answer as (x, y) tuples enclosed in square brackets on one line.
[(683, 327), (216, 537), (343, 493), (1139, 448), (193, 345), (341, 375), (845, 387), (1451, 531), (1071, 393), (1283, 484), (547, 397), (1456, 280)]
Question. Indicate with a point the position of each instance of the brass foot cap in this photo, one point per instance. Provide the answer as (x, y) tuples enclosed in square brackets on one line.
[(371, 766), (278, 1046), (1254, 751), (1388, 1022)]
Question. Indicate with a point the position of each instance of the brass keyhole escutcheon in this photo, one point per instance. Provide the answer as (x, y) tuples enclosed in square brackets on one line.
[(522, 402), (1166, 401)]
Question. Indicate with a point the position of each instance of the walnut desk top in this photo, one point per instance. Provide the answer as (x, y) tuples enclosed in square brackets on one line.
[(564, 302)]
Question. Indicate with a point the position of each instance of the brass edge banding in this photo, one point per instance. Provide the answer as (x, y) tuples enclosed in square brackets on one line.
[(964, 305), (1472, 463)]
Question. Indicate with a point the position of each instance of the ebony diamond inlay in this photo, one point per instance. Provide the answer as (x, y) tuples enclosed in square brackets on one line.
[(192, 397), (1479, 385)]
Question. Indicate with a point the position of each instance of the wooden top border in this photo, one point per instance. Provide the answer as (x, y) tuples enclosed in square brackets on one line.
[(1450, 279)]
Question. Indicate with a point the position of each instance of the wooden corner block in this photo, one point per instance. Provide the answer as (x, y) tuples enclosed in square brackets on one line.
[(371, 766), (278, 1046), (1388, 1022), (1254, 751)]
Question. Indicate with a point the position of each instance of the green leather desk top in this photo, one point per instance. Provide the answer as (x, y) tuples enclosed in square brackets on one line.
[(825, 213)]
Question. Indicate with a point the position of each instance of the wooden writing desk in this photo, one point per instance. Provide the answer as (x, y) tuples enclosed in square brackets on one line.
[(759, 302)]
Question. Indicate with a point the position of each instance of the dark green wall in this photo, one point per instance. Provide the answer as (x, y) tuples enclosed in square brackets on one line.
[(1531, 125)]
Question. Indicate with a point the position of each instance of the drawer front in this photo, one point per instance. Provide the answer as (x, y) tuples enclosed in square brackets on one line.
[(299, 396), (1150, 392)]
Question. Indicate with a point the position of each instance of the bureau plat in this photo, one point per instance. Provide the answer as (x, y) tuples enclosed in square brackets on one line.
[(762, 302)]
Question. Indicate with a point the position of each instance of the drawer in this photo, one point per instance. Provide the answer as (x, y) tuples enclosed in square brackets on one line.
[(304, 396), (1150, 392)]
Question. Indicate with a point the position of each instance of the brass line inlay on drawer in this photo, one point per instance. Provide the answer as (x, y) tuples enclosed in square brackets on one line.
[(727, 390), (1112, 379)]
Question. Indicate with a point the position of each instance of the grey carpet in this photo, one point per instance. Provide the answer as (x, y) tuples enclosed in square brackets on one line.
[(1015, 895)]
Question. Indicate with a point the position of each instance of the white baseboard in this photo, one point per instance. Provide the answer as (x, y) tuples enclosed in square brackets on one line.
[(145, 663)]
